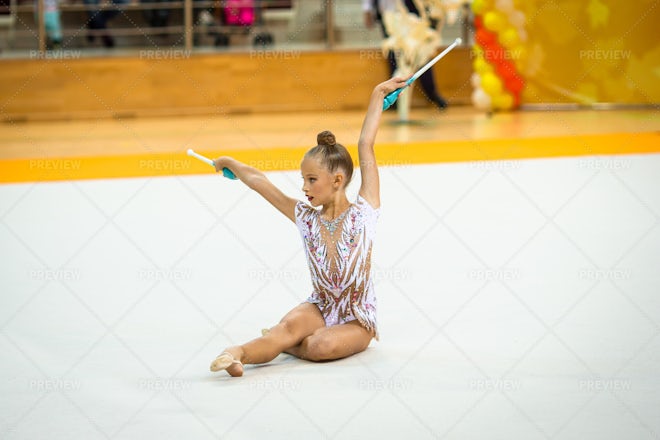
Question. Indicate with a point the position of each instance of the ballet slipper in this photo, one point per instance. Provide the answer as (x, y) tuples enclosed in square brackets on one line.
[(224, 361)]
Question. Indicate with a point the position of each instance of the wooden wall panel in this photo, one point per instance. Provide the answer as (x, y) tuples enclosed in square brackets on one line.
[(174, 82)]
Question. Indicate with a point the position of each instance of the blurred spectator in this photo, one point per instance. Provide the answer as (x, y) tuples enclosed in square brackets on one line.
[(156, 17), (98, 20), (52, 23), (373, 10)]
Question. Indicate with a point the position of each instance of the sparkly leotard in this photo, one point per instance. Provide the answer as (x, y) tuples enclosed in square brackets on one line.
[(339, 258)]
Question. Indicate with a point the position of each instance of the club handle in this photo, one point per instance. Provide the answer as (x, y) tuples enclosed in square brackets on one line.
[(393, 95), (391, 98), (229, 174)]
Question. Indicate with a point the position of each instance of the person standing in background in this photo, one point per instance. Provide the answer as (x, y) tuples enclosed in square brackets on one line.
[(373, 11), (98, 20), (52, 23)]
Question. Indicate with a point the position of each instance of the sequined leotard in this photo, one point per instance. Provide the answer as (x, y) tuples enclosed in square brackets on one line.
[(339, 258)]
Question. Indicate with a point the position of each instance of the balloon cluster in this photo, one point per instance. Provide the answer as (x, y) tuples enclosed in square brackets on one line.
[(499, 54)]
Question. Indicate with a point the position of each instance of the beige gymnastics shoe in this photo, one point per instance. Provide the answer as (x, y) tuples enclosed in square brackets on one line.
[(224, 361)]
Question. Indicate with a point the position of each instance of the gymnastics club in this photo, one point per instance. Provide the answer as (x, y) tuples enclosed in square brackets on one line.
[(225, 171), (392, 96)]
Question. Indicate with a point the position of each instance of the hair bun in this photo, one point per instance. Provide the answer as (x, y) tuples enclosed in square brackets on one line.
[(326, 138)]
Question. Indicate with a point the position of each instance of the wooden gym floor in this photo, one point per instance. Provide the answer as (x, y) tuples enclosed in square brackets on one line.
[(99, 148)]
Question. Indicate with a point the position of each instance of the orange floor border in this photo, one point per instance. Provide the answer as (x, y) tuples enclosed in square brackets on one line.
[(280, 159)]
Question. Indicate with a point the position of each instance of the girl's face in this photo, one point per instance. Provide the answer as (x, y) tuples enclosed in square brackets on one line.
[(319, 184)]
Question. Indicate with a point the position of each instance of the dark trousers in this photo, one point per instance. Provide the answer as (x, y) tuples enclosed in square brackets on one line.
[(98, 19), (156, 17)]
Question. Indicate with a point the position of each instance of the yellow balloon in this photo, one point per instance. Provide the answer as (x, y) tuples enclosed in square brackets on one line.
[(493, 21), (491, 84), (478, 6), (481, 66), (481, 6), (509, 37), (503, 101)]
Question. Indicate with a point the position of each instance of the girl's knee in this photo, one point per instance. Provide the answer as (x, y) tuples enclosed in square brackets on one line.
[(320, 348), (286, 334), (285, 326), (285, 329)]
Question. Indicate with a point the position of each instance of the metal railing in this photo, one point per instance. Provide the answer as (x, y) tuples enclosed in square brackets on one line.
[(185, 26)]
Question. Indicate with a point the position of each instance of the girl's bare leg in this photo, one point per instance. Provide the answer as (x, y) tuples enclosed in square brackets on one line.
[(330, 343), (300, 322)]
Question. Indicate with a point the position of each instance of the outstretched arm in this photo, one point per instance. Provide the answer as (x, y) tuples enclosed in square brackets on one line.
[(258, 181), (370, 189)]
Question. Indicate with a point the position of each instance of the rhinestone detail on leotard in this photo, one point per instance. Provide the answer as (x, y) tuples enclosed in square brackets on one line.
[(331, 225)]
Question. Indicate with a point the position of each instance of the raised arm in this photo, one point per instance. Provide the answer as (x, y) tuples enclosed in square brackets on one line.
[(370, 188), (258, 181)]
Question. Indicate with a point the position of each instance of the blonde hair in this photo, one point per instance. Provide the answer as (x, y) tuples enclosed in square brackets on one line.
[(332, 155)]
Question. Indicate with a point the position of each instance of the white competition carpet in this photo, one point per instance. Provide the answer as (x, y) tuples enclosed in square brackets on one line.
[(517, 300)]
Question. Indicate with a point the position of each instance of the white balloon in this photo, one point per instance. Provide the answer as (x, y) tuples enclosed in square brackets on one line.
[(504, 5), (481, 99), (517, 19), (475, 79)]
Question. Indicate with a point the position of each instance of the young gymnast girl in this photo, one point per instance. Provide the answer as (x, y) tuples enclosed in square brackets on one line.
[(339, 317)]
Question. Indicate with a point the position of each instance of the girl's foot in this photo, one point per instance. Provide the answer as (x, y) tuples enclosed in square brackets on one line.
[(227, 361)]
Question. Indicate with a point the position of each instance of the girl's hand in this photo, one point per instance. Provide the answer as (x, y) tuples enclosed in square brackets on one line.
[(220, 163), (392, 84)]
